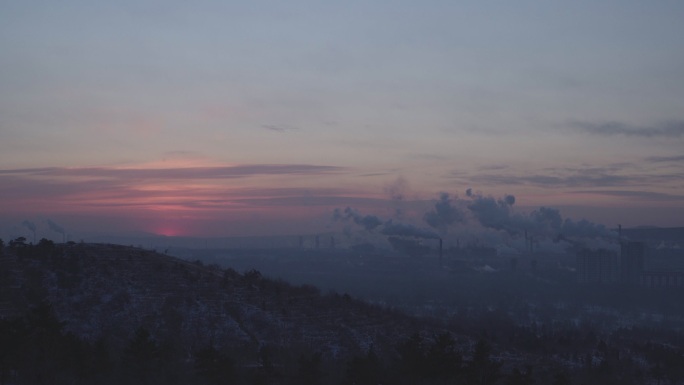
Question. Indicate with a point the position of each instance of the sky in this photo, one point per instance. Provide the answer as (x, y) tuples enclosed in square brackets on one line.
[(225, 118)]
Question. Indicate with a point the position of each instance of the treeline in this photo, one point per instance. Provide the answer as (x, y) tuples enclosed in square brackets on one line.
[(35, 349)]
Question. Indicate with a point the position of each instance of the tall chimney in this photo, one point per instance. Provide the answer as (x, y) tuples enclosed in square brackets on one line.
[(440, 251), (619, 233), (531, 245)]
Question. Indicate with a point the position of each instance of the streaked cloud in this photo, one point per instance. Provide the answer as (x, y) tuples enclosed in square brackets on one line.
[(632, 194), (663, 159), (279, 127), (211, 172), (574, 177), (178, 188), (671, 129)]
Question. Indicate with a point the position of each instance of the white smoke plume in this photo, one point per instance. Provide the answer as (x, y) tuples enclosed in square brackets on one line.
[(506, 225), (407, 230), (544, 223), (397, 189), (389, 227), (56, 228), (29, 225), (444, 214), (496, 213), (369, 222)]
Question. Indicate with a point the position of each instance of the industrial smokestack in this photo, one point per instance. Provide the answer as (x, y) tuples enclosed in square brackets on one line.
[(440, 251), (620, 233), (530, 244), (58, 229)]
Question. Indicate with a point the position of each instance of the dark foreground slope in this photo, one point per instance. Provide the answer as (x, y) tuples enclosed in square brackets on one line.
[(110, 291), (158, 319), (108, 314)]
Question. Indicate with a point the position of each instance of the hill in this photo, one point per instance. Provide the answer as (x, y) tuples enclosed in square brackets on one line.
[(111, 290), (111, 314), (116, 295)]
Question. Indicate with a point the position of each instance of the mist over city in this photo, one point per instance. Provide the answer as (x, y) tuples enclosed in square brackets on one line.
[(341, 193)]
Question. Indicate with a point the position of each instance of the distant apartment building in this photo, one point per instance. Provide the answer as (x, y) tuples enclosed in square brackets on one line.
[(656, 260), (664, 268), (662, 279), (597, 266), (632, 256)]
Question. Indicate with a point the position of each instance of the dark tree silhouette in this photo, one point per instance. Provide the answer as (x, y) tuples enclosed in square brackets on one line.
[(310, 370), (213, 367), (18, 242), (443, 359), (140, 359), (412, 357), (482, 370), (364, 370), (518, 377)]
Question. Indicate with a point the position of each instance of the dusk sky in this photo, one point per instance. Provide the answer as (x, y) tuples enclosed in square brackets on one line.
[(223, 118)]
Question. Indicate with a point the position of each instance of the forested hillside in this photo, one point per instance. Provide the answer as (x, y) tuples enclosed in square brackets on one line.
[(92, 313)]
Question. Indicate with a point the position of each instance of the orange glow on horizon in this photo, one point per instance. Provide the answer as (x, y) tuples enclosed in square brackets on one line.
[(169, 231)]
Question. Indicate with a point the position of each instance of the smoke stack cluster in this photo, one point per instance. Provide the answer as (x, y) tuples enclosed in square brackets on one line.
[(491, 213)]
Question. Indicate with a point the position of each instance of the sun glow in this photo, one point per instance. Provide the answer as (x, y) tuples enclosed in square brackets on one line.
[(173, 229)]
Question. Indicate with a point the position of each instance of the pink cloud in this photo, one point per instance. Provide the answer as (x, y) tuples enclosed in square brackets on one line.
[(197, 196)]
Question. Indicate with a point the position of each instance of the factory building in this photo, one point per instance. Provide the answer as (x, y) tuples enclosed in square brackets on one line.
[(652, 262), (597, 266), (632, 255), (662, 279)]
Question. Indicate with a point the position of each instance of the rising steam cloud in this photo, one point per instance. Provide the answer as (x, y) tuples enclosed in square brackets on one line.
[(491, 213), (444, 214), (368, 222), (407, 230), (496, 213), (389, 227), (544, 222), (29, 225), (55, 227)]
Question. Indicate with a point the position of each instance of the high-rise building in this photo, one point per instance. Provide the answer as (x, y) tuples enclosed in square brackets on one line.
[(632, 261), (597, 266)]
